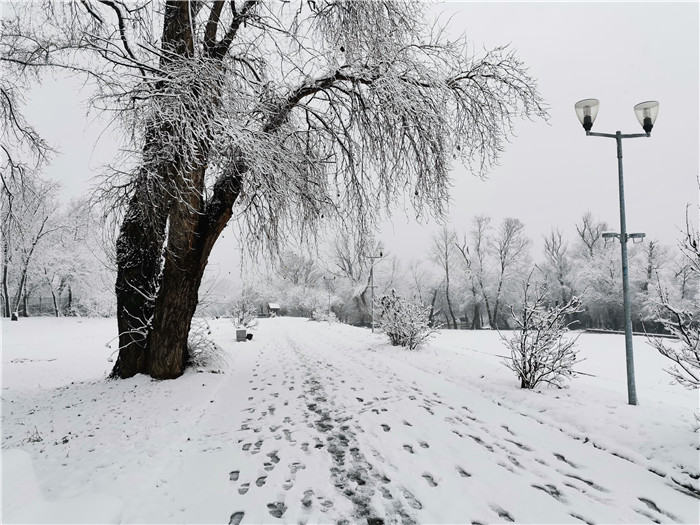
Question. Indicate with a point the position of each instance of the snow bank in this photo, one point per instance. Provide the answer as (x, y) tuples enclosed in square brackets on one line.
[(23, 503)]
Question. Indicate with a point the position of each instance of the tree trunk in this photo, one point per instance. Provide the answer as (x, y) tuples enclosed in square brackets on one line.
[(5, 291), (139, 249), (142, 234), (55, 303), (476, 317), (447, 297), (191, 237), (25, 305)]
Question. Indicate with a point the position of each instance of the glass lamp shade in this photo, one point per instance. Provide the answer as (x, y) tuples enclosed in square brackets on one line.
[(646, 114), (587, 111)]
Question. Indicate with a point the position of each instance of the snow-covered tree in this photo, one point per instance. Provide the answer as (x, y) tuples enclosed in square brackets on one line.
[(542, 349), (29, 210), (558, 266), (443, 253), (494, 260), (282, 114), (683, 321), (405, 321)]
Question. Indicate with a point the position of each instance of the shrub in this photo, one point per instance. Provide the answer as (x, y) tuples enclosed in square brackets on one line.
[(244, 314), (540, 349), (404, 320), (323, 315), (685, 353), (205, 354)]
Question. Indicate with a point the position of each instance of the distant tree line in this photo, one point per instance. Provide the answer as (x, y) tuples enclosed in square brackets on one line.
[(470, 278)]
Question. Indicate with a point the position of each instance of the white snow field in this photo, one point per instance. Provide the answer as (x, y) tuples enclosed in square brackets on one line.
[(319, 423)]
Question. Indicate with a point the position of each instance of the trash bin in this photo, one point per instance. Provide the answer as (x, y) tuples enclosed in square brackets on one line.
[(241, 334)]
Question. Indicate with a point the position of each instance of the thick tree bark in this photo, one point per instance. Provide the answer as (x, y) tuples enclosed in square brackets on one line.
[(139, 249), (191, 238), (142, 234), (5, 291)]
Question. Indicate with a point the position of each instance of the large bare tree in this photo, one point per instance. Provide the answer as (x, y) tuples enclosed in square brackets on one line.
[(281, 115)]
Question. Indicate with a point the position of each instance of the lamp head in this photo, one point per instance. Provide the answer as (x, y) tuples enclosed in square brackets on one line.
[(646, 114), (587, 111)]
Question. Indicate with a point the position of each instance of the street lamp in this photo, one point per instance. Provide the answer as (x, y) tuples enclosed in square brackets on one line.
[(371, 281), (646, 113), (328, 288)]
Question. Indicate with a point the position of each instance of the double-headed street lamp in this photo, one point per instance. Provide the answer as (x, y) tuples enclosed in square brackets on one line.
[(646, 112)]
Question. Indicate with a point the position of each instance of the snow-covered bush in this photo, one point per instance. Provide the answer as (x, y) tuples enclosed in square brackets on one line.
[(203, 352), (685, 353), (541, 350), (244, 314), (324, 315), (404, 320), (681, 319)]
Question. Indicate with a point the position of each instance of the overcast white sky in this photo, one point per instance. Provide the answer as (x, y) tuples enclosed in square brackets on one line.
[(621, 53)]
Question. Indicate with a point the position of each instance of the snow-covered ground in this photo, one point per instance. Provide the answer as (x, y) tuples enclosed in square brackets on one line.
[(318, 423)]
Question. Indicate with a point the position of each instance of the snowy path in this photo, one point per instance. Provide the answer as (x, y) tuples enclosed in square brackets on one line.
[(318, 424), (405, 445)]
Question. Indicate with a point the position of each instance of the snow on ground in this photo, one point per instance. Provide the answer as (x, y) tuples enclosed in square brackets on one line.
[(318, 423)]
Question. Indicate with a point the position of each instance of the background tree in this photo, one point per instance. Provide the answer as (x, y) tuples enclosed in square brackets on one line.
[(443, 255), (474, 252), (510, 248), (29, 208), (558, 266), (286, 114)]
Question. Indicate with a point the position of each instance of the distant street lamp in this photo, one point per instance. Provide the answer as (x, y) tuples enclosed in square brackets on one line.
[(371, 281), (328, 287), (646, 112)]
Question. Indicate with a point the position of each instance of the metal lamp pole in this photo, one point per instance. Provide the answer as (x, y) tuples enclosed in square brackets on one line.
[(371, 281), (328, 287), (587, 111)]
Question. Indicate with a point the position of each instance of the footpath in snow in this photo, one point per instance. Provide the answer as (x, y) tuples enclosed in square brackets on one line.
[(318, 423)]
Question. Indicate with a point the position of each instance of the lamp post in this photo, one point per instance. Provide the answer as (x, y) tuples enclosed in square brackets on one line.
[(371, 281), (328, 287), (646, 112)]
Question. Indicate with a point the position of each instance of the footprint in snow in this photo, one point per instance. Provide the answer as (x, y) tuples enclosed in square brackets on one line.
[(386, 428), (244, 488), (430, 480), (236, 518), (411, 499), (294, 467), (463, 472), (423, 444), (307, 500), (502, 513), (277, 509), (408, 448), (233, 476), (260, 481), (246, 446)]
